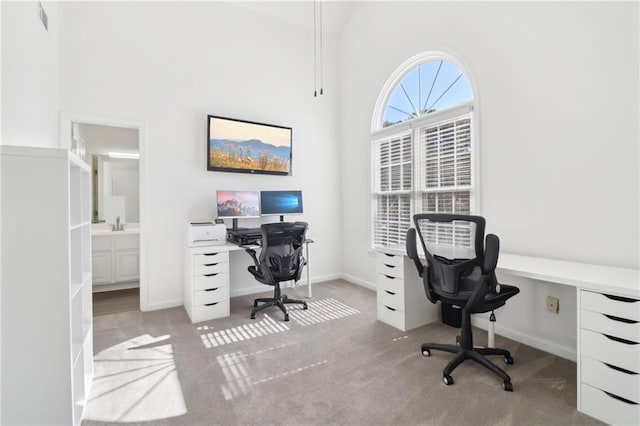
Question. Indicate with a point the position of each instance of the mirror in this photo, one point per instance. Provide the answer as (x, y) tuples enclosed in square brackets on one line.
[(115, 189), (112, 153)]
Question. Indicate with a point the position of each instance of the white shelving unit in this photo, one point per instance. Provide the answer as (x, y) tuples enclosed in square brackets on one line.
[(47, 329)]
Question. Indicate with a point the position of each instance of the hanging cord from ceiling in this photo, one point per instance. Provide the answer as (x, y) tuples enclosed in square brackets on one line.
[(317, 52)]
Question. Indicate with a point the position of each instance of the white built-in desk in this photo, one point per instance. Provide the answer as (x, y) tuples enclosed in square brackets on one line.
[(608, 322), (608, 331), (621, 281)]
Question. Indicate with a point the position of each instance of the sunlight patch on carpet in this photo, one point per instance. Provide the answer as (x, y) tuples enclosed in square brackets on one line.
[(291, 372), (136, 381), (320, 311), (237, 372), (264, 327)]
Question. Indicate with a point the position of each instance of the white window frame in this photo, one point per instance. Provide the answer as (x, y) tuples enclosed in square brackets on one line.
[(414, 126)]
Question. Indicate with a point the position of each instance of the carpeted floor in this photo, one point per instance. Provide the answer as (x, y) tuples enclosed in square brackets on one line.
[(334, 364)]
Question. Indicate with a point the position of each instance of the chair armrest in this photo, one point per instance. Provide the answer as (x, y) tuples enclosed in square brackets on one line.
[(412, 250), (252, 253), (492, 248)]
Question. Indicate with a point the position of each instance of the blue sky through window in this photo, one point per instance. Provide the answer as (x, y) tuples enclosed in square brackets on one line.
[(429, 87)]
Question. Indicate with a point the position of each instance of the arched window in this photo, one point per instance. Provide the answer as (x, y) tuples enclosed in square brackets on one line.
[(422, 146)]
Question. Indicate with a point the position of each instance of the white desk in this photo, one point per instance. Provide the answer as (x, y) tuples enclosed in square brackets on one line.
[(207, 278), (608, 279), (608, 331), (608, 322)]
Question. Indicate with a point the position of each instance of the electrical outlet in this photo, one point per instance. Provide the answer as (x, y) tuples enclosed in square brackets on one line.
[(553, 304)]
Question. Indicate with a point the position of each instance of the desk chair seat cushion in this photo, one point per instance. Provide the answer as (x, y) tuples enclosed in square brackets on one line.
[(493, 297)]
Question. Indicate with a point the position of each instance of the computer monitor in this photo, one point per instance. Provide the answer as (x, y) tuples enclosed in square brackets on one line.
[(238, 204), (280, 203)]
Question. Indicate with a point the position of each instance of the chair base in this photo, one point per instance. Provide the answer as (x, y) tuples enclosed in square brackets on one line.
[(476, 354), (275, 301)]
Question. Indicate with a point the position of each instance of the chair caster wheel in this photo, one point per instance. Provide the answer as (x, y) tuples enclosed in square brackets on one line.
[(507, 386), (448, 380), (253, 316), (426, 353), (305, 307), (508, 359), (286, 317)]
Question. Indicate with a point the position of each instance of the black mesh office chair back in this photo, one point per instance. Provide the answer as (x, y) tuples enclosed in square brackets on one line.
[(460, 271), (281, 259)]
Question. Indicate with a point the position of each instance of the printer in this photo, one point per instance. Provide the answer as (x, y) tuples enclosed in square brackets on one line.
[(206, 234)]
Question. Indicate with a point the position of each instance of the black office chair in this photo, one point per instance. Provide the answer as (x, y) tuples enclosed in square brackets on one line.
[(280, 260), (460, 271)]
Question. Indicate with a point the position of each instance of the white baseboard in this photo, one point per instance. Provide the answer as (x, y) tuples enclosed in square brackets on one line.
[(261, 288), (163, 305), (554, 348), (99, 288), (358, 281)]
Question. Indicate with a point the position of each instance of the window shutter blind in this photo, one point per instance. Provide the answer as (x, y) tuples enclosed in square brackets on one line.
[(446, 149), (446, 166), (393, 183), (392, 219)]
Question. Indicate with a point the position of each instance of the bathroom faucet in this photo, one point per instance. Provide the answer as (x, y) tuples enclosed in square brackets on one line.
[(117, 226)]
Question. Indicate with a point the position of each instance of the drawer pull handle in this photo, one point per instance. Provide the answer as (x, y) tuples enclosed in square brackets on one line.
[(211, 304), (390, 277), (389, 255), (391, 309), (389, 266), (210, 264), (211, 254), (622, 370), (390, 292), (210, 275), (620, 298), (618, 339), (619, 398), (626, 320), (211, 289)]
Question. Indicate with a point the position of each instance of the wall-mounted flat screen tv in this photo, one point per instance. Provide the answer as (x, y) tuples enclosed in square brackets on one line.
[(248, 147)]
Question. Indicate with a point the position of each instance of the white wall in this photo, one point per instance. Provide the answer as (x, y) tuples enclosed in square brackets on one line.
[(557, 85), (29, 75), (168, 65)]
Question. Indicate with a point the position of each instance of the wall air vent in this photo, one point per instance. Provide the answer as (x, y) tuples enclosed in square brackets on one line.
[(43, 17)]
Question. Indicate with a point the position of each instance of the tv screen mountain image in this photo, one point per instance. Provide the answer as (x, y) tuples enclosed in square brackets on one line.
[(248, 147)]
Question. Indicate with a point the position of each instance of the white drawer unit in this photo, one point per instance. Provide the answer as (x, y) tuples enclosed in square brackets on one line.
[(609, 362), (206, 283), (402, 302)]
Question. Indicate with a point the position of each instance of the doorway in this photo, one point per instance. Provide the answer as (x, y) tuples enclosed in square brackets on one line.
[(113, 150)]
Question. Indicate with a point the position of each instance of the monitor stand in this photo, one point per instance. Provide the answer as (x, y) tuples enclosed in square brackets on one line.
[(234, 225), (281, 218)]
